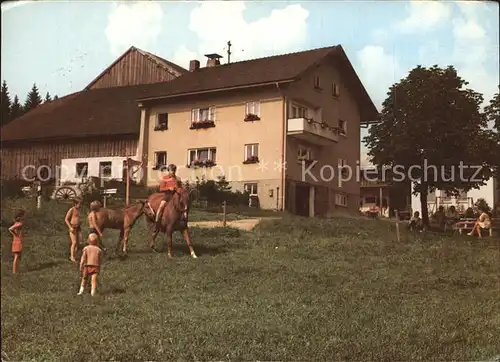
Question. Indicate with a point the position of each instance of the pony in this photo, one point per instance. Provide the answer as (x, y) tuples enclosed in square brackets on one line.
[(120, 219), (174, 217)]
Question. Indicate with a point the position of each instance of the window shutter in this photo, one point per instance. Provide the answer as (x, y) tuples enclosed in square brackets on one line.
[(257, 108), (211, 112), (247, 108)]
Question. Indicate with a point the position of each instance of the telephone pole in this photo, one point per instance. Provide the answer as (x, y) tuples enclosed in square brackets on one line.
[(229, 52)]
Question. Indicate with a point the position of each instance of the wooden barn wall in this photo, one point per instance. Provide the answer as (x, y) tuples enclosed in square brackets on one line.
[(133, 69), (15, 158)]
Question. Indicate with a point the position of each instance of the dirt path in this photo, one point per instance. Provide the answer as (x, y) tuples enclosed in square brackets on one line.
[(243, 224)]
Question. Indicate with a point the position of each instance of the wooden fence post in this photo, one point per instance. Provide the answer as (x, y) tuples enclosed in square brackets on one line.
[(38, 187), (397, 225), (224, 215)]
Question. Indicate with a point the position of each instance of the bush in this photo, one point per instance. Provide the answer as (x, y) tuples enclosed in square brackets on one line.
[(215, 192)]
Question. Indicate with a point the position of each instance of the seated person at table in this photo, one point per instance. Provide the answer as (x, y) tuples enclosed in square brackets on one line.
[(440, 218), (453, 214), (416, 222), (483, 222)]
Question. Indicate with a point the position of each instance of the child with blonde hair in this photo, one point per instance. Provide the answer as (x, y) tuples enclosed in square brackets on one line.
[(95, 206), (17, 241), (90, 264), (74, 223)]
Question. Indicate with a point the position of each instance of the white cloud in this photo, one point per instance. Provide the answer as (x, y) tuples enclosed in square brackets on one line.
[(424, 16), (472, 50), (137, 24), (214, 23), (378, 71)]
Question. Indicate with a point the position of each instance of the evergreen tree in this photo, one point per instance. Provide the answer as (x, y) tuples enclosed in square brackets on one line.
[(33, 100), (16, 109), (47, 97), (6, 104)]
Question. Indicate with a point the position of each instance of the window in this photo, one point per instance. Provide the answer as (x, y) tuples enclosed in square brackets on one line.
[(82, 169), (161, 121), (343, 127), (304, 153), (202, 155), (343, 165), (251, 150), (43, 164), (105, 169), (341, 200), (251, 188), (203, 114), (160, 159), (252, 108), (335, 90), (299, 111), (317, 82)]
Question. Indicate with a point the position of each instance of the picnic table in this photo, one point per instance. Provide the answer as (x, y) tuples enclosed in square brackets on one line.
[(463, 224), (468, 224)]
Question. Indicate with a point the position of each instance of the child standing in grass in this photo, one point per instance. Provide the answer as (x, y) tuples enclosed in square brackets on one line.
[(17, 234), (95, 206), (74, 223), (90, 264)]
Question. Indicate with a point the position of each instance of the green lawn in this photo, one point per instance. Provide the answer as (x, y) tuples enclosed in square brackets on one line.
[(294, 289)]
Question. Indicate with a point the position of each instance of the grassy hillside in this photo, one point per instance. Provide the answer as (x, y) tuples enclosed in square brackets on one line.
[(294, 289)]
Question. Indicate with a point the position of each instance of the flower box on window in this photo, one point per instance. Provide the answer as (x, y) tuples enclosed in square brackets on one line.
[(250, 117), (161, 127), (251, 159), (202, 124), (201, 163)]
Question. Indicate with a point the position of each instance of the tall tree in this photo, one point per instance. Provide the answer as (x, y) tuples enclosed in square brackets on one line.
[(16, 109), (47, 97), (33, 100), (492, 112), (6, 104), (431, 119)]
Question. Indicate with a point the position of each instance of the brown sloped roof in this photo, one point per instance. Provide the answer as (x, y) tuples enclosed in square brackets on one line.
[(279, 68), (154, 58), (114, 111), (245, 73), (95, 112)]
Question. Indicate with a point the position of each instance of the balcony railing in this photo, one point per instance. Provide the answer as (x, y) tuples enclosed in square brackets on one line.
[(312, 131)]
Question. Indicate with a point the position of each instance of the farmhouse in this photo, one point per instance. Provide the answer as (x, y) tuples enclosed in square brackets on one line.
[(279, 127), (87, 131)]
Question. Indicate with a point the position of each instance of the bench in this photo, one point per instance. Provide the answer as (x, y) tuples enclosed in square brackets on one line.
[(108, 193), (469, 224)]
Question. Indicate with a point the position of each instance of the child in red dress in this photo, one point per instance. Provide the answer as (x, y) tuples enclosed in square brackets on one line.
[(17, 241)]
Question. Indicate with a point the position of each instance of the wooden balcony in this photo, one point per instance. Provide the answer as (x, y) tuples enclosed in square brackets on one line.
[(311, 131)]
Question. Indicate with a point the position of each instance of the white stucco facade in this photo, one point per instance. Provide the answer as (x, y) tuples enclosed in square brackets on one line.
[(112, 168)]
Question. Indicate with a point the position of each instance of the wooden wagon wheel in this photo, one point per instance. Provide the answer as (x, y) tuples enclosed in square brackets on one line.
[(65, 193)]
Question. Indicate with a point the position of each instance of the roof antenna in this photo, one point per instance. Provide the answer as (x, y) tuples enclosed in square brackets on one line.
[(229, 52)]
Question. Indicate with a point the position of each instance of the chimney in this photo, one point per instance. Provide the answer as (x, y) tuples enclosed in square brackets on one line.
[(213, 60), (194, 65)]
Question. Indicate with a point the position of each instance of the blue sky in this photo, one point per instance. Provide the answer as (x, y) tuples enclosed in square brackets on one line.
[(62, 46)]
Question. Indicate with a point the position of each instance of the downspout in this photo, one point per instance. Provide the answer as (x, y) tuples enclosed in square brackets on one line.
[(283, 149)]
